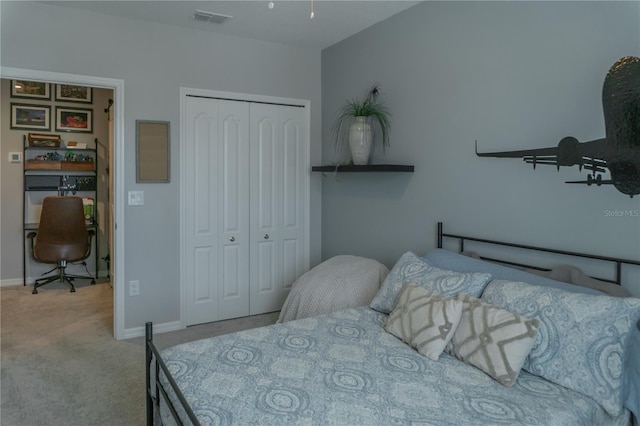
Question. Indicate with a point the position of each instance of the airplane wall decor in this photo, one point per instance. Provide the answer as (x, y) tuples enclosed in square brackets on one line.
[(618, 151)]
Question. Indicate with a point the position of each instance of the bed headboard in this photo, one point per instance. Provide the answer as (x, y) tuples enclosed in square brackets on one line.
[(618, 262)]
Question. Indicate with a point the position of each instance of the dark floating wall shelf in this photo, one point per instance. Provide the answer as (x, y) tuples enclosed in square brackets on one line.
[(365, 168)]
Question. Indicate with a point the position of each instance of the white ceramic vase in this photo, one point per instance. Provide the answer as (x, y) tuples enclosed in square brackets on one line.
[(360, 139)]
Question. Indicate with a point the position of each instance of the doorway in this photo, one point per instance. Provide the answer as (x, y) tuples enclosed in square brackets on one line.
[(116, 171)]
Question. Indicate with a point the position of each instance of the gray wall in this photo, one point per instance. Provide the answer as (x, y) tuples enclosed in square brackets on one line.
[(155, 61), (511, 75)]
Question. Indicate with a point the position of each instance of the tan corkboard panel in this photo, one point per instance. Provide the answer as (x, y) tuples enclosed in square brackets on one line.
[(152, 153)]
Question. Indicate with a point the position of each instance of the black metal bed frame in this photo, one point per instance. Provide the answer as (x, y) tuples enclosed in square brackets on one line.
[(152, 353), (618, 262), (153, 400)]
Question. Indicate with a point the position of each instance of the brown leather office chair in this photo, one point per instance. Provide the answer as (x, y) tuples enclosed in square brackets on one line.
[(62, 237)]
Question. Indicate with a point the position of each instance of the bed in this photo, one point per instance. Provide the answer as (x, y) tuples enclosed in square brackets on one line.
[(566, 355)]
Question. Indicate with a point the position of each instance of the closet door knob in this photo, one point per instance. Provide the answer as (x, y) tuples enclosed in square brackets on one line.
[(266, 236), (232, 239)]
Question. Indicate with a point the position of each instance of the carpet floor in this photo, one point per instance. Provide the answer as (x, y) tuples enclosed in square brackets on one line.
[(60, 364)]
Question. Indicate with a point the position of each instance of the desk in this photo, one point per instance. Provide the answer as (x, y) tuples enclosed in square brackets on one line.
[(31, 227)]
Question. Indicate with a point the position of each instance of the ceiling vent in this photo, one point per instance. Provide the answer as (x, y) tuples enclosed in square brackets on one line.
[(214, 18)]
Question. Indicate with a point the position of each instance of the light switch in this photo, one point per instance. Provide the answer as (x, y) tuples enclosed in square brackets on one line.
[(136, 198), (15, 157)]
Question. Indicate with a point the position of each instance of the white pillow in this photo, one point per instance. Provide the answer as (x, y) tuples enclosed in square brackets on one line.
[(425, 320)]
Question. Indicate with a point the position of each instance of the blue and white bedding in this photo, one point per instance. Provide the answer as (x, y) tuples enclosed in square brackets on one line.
[(343, 368)]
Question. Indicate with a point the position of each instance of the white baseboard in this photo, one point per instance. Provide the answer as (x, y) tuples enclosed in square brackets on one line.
[(130, 333), (11, 281)]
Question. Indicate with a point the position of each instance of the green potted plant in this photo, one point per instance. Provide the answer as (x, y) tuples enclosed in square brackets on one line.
[(357, 122)]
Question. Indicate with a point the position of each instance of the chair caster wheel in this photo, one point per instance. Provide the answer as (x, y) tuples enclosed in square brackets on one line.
[(34, 291), (93, 282), (73, 290)]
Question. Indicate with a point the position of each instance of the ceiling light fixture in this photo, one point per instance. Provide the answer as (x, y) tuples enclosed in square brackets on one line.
[(214, 18), (312, 14), (270, 5)]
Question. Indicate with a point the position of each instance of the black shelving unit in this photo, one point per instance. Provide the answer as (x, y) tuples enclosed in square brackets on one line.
[(49, 177), (364, 168)]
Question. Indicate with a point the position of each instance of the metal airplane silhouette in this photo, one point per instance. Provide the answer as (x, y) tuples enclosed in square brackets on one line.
[(618, 151)]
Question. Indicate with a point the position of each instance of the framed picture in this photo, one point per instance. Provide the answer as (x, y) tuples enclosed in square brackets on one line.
[(71, 93), (74, 120), (30, 117), (30, 89), (152, 151)]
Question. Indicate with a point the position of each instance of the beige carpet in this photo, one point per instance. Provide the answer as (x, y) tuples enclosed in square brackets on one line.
[(61, 366)]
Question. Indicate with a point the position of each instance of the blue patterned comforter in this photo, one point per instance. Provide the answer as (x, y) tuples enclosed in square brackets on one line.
[(344, 369)]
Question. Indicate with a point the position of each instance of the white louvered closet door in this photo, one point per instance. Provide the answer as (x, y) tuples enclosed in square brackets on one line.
[(278, 203), (216, 223)]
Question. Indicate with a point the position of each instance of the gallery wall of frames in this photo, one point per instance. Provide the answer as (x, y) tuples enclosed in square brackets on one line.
[(51, 107)]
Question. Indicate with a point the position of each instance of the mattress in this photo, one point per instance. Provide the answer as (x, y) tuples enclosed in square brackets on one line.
[(343, 368)]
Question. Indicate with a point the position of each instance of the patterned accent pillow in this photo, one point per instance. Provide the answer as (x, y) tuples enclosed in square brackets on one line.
[(492, 339), (424, 320), (584, 340), (413, 269)]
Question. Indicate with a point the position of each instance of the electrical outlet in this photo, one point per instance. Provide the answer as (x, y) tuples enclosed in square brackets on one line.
[(134, 288)]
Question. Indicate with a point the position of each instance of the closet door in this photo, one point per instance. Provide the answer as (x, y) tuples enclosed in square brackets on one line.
[(216, 224), (278, 203)]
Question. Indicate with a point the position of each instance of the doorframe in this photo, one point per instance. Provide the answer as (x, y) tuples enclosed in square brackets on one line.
[(117, 85), (246, 97)]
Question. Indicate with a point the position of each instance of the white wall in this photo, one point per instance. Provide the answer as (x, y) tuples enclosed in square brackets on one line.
[(155, 61), (511, 75)]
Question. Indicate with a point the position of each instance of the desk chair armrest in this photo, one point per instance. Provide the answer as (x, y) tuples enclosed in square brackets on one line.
[(32, 235)]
